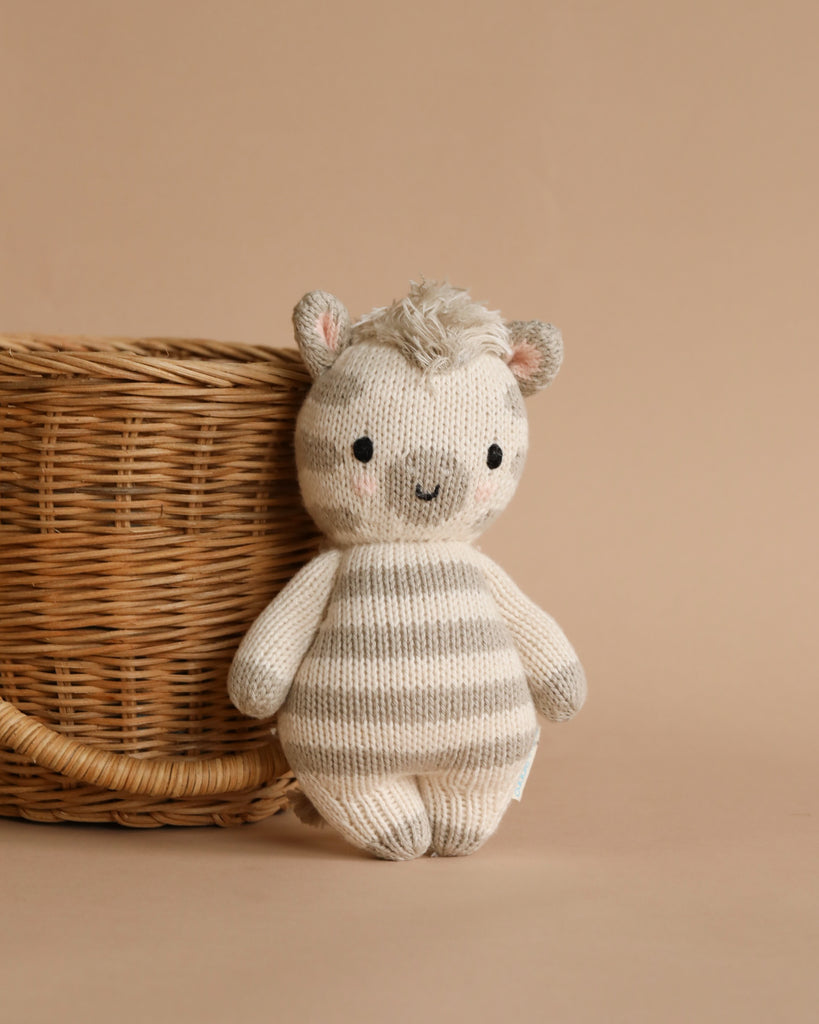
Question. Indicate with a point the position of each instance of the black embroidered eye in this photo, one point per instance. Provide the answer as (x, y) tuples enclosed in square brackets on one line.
[(494, 457), (363, 449)]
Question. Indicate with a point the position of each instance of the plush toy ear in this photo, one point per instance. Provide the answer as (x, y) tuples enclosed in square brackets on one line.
[(322, 327), (537, 352)]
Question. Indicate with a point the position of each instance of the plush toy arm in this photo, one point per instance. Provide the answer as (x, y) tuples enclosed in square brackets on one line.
[(272, 649), (553, 670)]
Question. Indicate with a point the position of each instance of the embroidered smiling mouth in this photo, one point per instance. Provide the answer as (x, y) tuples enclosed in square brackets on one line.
[(426, 495)]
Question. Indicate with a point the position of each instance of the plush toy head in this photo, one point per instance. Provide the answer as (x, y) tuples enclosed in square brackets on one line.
[(414, 428)]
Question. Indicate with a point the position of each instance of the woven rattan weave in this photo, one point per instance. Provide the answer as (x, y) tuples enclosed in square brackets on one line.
[(148, 511)]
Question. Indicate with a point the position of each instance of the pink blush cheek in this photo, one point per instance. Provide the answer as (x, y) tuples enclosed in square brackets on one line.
[(485, 491), (365, 486)]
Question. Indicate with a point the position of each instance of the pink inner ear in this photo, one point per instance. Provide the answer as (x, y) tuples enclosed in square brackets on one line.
[(525, 360), (328, 329)]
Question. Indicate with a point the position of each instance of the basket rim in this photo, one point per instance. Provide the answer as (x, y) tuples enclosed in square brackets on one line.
[(55, 357)]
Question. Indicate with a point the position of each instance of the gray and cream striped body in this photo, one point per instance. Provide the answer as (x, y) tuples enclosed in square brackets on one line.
[(412, 675), (405, 666)]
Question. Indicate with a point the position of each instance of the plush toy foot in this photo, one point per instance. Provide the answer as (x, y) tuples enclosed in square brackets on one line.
[(465, 808), (401, 840), (452, 841), (385, 817)]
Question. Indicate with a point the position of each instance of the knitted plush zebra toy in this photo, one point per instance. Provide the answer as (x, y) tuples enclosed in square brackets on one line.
[(406, 668)]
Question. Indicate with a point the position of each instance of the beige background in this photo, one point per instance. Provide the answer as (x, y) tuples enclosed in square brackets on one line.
[(643, 174)]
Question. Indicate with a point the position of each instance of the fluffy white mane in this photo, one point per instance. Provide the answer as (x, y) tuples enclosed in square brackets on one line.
[(436, 326)]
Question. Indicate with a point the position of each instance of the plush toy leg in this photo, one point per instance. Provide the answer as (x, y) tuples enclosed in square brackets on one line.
[(385, 816), (465, 807)]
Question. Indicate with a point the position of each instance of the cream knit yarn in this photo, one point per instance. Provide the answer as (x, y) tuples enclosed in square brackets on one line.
[(405, 666)]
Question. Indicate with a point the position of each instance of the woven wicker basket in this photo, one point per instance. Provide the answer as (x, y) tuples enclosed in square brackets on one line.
[(148, 512)]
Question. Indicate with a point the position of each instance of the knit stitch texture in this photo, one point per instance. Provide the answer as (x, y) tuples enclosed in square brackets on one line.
[(406, 667)]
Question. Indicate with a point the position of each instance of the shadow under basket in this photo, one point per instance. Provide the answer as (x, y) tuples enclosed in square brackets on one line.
[(149, 510)]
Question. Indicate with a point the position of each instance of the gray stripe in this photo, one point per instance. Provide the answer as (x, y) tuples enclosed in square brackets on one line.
[(402, 838), (516, 463), (332, 519), (452, 840), (410, 639), (514, 400), (401, 580), (318, 454), (333, 762), (406, 705), (336, 388)]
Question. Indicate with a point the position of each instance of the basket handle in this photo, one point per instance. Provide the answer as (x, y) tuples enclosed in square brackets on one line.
[(160, 776)]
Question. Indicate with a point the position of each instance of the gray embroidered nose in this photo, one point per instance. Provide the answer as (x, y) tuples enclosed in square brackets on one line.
[(427, 495), (426, 486)]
